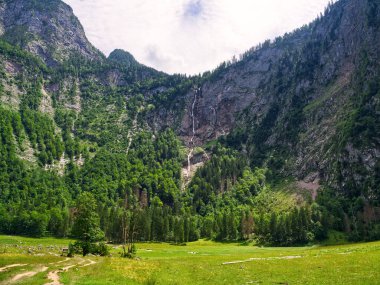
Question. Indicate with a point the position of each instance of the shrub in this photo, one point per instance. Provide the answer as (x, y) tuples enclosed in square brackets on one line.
[(100, 249), (85, 247)]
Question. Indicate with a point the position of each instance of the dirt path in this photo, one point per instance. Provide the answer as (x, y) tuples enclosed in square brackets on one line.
[(90, 262), (53, 276), (11, 266), (261, 258), (67, 259), (28, 274)]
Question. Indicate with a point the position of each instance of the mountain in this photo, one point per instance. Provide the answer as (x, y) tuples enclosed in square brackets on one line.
[(306, 103), (288, 132), (47, 29), (122, 57)]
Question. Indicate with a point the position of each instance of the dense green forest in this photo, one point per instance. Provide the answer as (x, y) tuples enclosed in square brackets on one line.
[(226, 200)]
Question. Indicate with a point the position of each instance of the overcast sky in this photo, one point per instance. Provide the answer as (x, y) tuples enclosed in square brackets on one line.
[(189, 36)]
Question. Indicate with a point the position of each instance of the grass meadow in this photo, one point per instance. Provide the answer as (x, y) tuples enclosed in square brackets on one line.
[(201, 262)]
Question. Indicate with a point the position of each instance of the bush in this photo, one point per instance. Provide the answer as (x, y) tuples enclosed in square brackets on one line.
[(100, 249), (374, 233), (354, 236), (85, 247), (131, 253)]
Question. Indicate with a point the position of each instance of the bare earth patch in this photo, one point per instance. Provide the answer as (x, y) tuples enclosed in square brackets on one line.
[(11, 266), (28, 274), (67, 259), (258, 258), (53, 276), (312, 187), (90, 262)]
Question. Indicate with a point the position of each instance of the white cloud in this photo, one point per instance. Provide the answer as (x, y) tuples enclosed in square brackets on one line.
[(189, 36)]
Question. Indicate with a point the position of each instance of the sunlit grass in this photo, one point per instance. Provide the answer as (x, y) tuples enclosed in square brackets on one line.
[(201, 262)]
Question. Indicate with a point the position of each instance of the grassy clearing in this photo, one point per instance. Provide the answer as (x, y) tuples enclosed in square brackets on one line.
[(13, 243), (329, 93), (201, 263)]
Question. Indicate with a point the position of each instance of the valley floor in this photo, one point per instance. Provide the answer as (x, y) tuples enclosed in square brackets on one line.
[(37, 261)]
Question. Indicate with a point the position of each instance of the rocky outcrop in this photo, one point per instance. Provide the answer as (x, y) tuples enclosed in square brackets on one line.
[(122, 57), (338, 38), (47, 29), (291, 98)]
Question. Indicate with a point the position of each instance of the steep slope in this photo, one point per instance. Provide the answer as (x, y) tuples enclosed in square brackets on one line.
[(47, 29), (306, 105)]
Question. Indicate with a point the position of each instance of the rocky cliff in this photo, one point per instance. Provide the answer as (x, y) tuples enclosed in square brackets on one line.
[(300, 103), (47, 29)]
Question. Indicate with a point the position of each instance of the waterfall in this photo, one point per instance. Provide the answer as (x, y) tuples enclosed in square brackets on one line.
[(189, 156)]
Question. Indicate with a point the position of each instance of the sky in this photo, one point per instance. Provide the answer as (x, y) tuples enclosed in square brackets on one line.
[(189, 36)]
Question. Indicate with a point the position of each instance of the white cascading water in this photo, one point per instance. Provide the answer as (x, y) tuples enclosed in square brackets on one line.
[(189, 156)]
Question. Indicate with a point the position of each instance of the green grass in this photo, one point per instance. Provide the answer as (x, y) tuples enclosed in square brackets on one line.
[(330, 92), (201, 262), (281, 198)]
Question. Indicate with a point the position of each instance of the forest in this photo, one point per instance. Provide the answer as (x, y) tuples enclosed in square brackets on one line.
[(225, 201)]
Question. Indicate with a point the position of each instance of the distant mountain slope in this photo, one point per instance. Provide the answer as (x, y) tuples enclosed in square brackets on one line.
[(306, 104), (47, 29)]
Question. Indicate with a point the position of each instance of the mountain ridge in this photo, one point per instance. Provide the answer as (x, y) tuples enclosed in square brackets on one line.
[(48, 29), (322, 56)]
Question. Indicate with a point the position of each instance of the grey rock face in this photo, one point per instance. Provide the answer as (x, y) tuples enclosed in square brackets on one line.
[(47, 29), (310, 72), (245, 83)]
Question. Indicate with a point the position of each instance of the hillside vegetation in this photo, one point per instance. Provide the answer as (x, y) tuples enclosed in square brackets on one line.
[(279, 147)]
